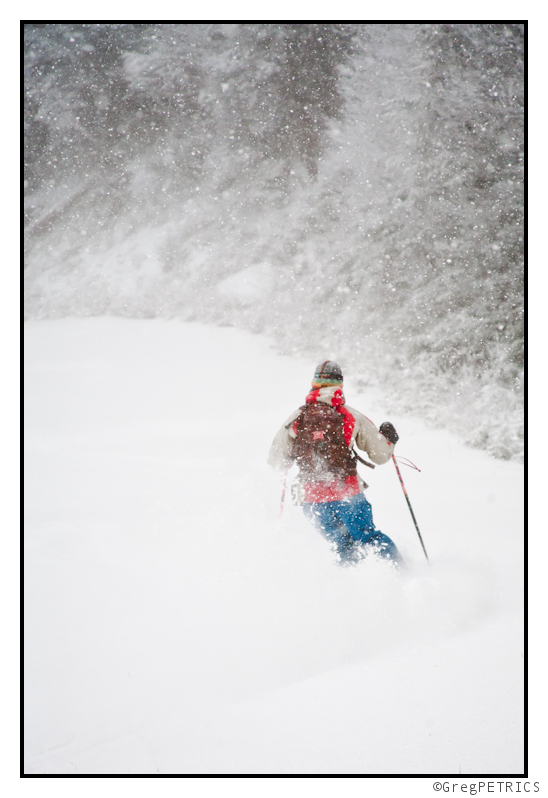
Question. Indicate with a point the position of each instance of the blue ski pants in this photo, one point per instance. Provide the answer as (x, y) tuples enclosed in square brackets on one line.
[(348, 524)]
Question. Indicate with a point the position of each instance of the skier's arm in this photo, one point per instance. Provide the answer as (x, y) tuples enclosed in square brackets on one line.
[(369, 439), (279, 456)]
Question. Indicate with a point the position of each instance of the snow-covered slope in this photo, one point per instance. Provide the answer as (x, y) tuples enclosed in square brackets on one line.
[(176, 625)]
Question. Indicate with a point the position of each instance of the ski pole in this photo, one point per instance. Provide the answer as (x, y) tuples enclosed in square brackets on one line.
[(410, 509), (283, 496)]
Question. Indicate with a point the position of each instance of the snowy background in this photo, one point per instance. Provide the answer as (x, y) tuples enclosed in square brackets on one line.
[(347, 191), (273, 176)]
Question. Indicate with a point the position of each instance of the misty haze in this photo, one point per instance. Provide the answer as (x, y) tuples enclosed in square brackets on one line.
[(211, 211), (349, 189)]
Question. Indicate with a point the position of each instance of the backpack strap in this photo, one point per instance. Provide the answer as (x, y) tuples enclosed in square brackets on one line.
[(357, 456), (301, 408)]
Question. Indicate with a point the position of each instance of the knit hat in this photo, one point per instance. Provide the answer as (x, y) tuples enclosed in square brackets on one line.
[(327, 373)]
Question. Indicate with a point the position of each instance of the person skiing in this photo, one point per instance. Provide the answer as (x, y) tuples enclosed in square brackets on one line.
[(320, 437)]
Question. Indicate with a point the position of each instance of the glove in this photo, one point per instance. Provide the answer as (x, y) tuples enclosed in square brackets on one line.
[(387, 429)]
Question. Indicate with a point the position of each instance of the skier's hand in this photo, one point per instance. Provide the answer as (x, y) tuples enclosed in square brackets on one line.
[(387, 429)]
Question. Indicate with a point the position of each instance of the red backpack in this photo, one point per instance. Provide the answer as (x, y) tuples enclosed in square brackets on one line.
[(319, 448)]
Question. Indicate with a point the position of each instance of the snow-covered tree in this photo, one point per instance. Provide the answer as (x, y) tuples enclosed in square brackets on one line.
[(351, 188)]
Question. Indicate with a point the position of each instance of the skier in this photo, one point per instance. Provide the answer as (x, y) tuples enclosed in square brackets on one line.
[(320, 437)]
